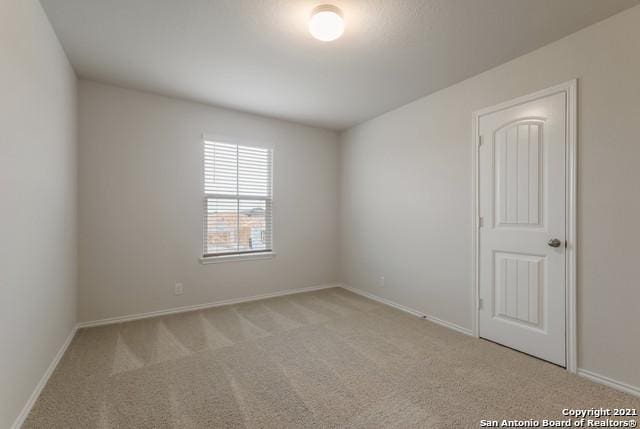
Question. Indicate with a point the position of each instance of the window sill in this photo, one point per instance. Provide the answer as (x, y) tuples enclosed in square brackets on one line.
[(237, 258)]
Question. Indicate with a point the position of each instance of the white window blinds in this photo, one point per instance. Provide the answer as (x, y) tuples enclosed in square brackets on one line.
[(237, 199)]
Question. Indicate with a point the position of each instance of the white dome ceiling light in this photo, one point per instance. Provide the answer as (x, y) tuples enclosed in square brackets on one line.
[(326, 23)]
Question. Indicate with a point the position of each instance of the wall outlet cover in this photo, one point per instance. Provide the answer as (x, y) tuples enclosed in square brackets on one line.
[(178, 289)]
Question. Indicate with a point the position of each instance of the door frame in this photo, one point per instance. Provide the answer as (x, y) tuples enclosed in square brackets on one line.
[(570, 89)]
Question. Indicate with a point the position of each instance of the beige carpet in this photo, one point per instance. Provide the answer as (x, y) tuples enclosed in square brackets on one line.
[(321, 359)]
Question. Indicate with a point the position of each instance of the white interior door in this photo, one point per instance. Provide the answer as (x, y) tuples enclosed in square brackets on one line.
[(522, 235)]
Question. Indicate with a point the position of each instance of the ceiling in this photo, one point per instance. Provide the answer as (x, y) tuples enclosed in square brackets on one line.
[(257, 56)]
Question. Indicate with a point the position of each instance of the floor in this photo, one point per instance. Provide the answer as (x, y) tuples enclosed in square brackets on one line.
[(321, 359)]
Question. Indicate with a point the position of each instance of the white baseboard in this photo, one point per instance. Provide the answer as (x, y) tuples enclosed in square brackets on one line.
[(188, 308), (43, 381), (618, 385), (45, 378), (408, 310), (614, 384)]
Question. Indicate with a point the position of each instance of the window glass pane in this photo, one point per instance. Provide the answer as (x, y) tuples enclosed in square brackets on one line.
[(254, 171), (220, 168), (253, 233), (221, 226)]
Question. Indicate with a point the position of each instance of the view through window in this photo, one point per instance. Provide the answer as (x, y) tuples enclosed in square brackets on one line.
[(237, 199)]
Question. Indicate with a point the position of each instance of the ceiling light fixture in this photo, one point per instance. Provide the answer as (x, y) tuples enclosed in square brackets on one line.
[(326, 23)]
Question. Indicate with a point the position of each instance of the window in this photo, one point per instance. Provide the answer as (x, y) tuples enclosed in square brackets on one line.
[(237, 199)]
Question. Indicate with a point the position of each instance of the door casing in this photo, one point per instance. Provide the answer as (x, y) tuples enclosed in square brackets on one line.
[(570, 89)]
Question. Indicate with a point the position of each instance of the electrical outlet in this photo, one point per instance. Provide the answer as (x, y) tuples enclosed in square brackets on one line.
[(178, 289), (381, 281)]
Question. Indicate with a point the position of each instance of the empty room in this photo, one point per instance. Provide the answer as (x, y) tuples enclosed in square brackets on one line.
[(319, 214)]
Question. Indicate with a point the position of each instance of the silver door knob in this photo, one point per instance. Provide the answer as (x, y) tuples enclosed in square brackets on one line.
[(554, 242)]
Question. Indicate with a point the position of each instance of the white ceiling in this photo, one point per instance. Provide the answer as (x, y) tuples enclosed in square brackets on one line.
[(257, 56)]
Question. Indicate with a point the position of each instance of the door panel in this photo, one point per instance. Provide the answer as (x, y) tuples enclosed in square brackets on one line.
[(522, 202), (517, 174), (518, 288)]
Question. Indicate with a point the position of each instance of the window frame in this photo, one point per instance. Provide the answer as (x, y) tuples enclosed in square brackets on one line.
[(213, 258)]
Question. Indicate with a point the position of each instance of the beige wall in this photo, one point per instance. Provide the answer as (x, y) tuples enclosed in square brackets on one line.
[(140, 207), (406, 191), (37, 200)]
